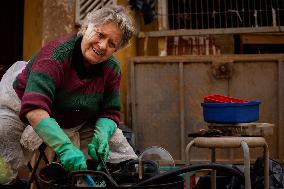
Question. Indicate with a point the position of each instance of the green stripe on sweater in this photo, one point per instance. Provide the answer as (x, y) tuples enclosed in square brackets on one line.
[(41, 83), (60, 54)]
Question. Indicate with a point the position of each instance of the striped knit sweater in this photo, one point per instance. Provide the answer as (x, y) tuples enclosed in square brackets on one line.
[(55, 80)]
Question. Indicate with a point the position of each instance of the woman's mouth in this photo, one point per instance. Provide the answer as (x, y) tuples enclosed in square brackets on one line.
[(98, 52)]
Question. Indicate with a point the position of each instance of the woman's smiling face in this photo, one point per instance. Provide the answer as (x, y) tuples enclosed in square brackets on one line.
[(100, 42)]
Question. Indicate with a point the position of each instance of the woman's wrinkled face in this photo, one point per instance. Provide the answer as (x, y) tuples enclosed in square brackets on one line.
[(100, 42)]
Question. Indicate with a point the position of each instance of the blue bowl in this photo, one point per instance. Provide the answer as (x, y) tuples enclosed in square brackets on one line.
[(231, 112)]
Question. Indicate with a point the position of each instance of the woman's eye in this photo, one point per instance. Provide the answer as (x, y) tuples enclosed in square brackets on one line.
[(101, 35), (112, 45)]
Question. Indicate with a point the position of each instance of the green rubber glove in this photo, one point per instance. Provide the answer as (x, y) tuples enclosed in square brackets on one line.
[(99, 146), (70, 156)]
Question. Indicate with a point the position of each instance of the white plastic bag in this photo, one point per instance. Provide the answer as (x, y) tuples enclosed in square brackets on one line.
[(8, 96)]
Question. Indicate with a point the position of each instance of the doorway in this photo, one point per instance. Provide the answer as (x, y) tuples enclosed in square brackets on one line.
[(11, 33)]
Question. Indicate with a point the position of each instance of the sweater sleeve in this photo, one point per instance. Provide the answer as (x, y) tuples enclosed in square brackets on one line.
[(36, 86), (41, 82)]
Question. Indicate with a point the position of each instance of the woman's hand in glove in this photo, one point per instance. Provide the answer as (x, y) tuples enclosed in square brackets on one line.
[(70, 156), (99, 146)]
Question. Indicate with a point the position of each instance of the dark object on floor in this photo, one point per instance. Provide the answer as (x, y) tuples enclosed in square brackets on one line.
[(223, 181), (276, 174)]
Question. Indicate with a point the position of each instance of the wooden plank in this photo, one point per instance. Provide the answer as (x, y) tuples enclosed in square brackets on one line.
[(209, 58), (187, 32), (245, 129), (262, 39), (280, 109), (181, 105)]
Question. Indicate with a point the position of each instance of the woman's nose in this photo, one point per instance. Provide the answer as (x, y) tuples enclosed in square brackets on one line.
[(103, 44)]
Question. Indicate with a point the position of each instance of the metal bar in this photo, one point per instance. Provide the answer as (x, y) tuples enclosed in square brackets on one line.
[(213, 14), (187, 151), (246, 164), (260, 13), (42, 155), (231, 13), (249, 12), (266, 167), (190, 15), (187, 162), (185, 15), (237, 15), (173, 15), (178, 14), (278, 14), (35, 178), (86, 4), (266, 11), (225, 14), (255, 14), (208, 17), (196, 20), (41, 150), (34, 169), (202, 12), (213, 172), (220, 17), (243, 14)]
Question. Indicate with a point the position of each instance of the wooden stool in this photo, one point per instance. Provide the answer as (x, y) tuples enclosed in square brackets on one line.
[(233, 142)]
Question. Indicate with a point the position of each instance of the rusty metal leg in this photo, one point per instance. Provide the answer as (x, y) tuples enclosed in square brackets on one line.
[(187, 150), (246, 164), (213, 172), (266, 167), (187, 159)]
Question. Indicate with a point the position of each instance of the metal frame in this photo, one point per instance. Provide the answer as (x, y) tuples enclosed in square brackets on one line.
[(233, 142)]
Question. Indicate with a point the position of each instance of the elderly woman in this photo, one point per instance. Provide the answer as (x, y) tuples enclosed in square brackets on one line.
[(71, 86)]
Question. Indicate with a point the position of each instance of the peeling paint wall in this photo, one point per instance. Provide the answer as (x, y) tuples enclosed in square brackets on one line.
[(32, 28), (46, 20), (58, 19)]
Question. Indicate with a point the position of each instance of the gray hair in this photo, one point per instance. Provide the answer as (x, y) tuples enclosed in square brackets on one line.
[(116, 14)]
